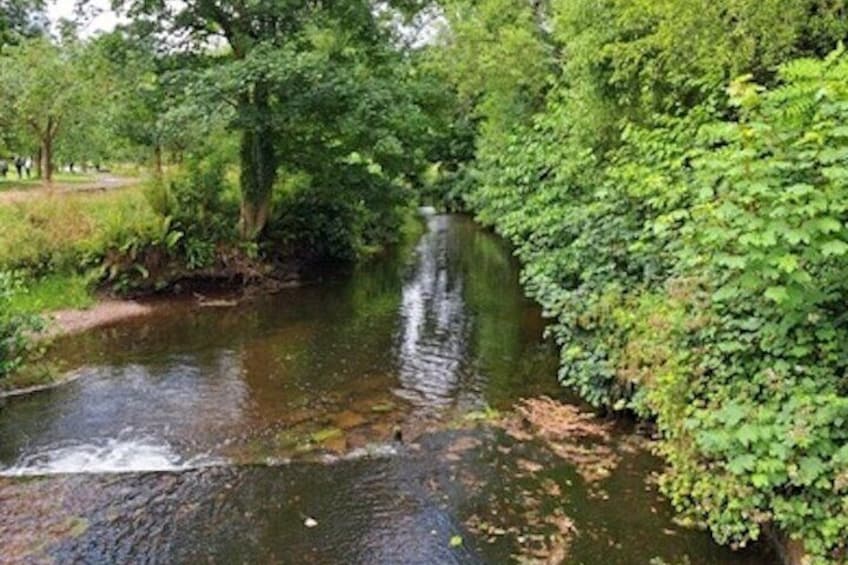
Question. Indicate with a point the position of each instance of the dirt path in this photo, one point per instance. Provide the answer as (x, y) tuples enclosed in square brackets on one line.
[(101, 183)]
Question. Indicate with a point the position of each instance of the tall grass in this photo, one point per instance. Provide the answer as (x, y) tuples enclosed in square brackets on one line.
[(72, 232)]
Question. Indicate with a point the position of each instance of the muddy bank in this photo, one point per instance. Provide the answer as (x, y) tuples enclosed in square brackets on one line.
[(107, 311), (206, 289)]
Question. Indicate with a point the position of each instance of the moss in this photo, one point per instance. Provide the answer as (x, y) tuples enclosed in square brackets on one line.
[(325, 435)]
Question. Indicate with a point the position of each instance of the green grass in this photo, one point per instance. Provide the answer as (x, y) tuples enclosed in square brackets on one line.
[(66, 232), (11, 182), (57, 291)]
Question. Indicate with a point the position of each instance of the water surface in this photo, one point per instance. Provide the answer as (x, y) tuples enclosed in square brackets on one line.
[(214, 434)]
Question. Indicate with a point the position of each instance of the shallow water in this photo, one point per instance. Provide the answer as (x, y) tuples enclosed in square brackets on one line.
[(213, 434)]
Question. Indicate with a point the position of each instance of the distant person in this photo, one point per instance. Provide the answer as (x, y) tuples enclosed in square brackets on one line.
[(4, 167), (19, 166), (28, 166)]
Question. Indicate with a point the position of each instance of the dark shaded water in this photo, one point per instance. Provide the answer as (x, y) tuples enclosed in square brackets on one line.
[(215, 434)]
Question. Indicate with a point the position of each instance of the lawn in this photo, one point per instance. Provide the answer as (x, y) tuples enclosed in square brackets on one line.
[(12, 182)]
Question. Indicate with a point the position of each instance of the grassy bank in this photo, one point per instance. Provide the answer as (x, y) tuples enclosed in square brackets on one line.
[(72, 232), (57, 291)]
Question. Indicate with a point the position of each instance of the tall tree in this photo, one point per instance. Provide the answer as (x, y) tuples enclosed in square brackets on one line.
[(267, 43), (43, 92)]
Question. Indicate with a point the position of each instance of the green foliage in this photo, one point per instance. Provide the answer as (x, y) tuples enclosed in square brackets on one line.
[(317, 227), (21, 18), (199, 204), (498, 54), (767, 394), (16, 344), (688, 240)]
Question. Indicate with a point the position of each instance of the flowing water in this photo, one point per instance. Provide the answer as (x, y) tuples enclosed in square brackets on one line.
[(269, 432)]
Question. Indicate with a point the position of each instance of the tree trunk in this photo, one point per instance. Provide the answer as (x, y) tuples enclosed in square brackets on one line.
[(258, 165), (46, 154), (157, 161)]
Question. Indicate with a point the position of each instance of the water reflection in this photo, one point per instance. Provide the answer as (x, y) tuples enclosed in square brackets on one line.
[(435, 325)]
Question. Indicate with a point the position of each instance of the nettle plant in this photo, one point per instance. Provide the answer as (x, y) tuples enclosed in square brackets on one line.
[(764, 433)]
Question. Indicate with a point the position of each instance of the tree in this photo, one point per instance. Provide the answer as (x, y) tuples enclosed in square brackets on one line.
[(44, 90), (270, 44), (500, 56), (143, 94), (20, 19)]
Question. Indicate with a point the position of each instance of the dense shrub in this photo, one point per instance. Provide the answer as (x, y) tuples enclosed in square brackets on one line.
[(698, 276), (348, 211), (315, 228), (16, 344), (200, 204)]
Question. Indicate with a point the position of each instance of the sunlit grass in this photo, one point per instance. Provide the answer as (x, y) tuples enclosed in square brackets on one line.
[(55, 292), (12, 182), (64, 231)]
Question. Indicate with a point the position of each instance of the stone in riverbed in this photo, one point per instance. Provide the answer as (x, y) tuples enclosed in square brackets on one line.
[(349, 419)]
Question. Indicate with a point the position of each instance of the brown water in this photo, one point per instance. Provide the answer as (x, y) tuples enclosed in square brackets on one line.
[(215, 434)]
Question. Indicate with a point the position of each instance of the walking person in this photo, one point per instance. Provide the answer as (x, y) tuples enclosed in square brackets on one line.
[(19, 166), (28, 167), (4, 168)]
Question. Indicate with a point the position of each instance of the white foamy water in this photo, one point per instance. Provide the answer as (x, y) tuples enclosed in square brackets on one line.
[(111, 456), (373, 451)]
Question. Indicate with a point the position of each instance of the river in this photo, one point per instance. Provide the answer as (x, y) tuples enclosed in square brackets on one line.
[(351, 421)]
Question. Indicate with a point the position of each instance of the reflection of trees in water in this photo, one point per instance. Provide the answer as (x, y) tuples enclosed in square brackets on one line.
[(435, 325), (508, 327), (467, 335)]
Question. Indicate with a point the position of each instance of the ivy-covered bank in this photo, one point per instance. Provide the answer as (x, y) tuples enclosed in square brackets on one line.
[(685, 231)]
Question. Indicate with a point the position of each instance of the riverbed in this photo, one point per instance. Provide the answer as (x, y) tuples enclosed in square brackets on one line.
[(362, 419)]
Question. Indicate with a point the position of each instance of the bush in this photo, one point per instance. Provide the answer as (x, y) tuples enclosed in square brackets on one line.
[(698, 275), (16, 344), (201, 206), (347, 212), (315, 228)]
